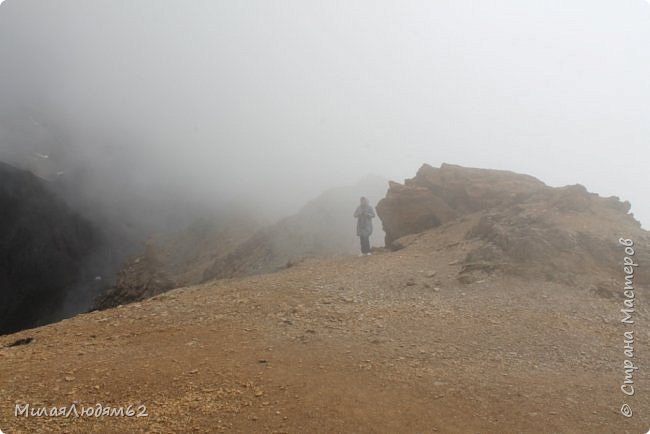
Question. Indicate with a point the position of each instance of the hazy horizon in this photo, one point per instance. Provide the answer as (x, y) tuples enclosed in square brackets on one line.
[(275, 103)]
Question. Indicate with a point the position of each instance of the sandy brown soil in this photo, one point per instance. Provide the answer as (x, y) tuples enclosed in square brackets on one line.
[(349, 344)]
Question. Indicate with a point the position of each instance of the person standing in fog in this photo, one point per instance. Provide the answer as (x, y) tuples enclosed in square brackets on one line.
[(364, 215)]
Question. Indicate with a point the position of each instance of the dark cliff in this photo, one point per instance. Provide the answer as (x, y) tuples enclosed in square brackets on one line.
[(43, 248)]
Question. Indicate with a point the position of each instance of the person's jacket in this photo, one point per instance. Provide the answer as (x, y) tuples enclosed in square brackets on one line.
[(364, 215)]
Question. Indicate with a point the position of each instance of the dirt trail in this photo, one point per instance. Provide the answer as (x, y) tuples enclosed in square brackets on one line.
[(387, 343)]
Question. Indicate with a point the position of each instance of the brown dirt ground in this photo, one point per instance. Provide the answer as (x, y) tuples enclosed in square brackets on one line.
[(347, 344)]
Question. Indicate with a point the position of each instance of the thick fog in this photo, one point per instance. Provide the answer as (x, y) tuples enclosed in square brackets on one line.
[(272, 102)]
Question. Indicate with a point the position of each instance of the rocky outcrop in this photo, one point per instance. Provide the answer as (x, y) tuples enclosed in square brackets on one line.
[(514, 224), (141, 278), (556, 234), (438, 195), (43, 249)]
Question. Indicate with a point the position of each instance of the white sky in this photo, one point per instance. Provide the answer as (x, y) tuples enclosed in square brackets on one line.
[(277, 101)]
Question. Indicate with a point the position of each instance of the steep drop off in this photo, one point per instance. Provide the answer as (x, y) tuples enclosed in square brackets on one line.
[(238, 245), (43, 249)]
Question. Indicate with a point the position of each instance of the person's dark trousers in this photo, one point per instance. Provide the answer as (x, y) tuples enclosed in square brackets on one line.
[(365, 244)]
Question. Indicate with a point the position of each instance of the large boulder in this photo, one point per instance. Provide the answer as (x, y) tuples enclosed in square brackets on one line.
[(438, 195)]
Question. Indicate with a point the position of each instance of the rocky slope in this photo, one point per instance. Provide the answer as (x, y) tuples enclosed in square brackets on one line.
[(504, 319), (394, 342)]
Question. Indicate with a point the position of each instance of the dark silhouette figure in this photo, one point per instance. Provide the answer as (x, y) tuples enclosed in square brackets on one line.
[(364, 215)]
